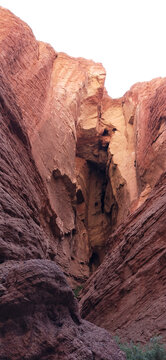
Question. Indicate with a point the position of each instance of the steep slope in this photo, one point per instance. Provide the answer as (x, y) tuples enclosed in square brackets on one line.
[(47, 90), (127, 294), (129, 287), (39, 315), (77, 168)]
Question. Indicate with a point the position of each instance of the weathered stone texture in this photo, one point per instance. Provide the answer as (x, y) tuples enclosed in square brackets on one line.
[(77, 168), (39, 317), (127, 294)]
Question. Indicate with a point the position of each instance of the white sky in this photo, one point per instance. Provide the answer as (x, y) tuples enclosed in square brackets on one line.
[(127, 36)]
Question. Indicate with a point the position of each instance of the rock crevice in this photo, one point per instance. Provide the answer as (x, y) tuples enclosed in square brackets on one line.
[(82, 187)]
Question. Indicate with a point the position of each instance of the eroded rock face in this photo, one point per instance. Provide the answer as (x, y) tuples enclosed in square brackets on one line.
[(125, 148), (43, 103), (56, 95), (75, 164), (65, 110), (121, 155), (38, 311), (22, 195), (129, 288), (144, 106), (39, 317)]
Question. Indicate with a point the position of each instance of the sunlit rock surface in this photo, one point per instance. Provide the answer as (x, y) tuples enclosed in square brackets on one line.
[(78, 168), (39, 315)]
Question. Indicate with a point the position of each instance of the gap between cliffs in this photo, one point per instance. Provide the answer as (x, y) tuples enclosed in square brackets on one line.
[(96, 206)]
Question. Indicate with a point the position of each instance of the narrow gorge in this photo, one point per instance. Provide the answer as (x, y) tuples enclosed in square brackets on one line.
[(82, 205)]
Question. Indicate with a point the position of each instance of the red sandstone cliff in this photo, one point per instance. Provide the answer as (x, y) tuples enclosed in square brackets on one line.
[(127, 293), (76, 166), (39, 315)]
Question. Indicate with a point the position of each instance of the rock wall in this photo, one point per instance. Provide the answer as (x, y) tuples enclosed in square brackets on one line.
[(75, 165), (126, 151), (39, 315), (47, 89), (129, 287), (127, 293)]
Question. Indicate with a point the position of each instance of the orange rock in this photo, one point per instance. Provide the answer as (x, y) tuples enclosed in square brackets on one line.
[(76, 164), (38, 310)]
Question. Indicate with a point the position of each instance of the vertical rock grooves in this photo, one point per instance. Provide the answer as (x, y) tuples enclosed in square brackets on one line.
[(96, 208), (82, 186), (39, 316), (129, 288)]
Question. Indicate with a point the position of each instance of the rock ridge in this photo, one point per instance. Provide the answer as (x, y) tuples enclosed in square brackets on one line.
[(128, 289), (82, 188)]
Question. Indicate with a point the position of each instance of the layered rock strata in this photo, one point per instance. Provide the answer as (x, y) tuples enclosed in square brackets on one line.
[(127, 294), (47, 91), (75, 164), (39, 317), (64, 109)]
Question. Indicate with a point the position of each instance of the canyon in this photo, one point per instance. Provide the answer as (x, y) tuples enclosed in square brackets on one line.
[(82, 205)]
